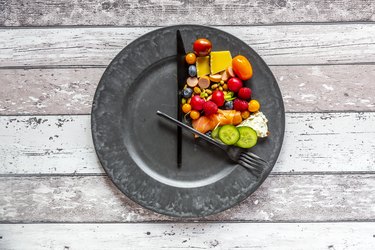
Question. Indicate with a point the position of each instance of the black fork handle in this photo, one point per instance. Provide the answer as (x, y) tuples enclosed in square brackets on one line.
[(183, 125)]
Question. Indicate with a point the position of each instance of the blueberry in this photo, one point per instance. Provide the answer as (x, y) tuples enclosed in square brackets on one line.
[(192, 70), (228, 105), (187, 92)]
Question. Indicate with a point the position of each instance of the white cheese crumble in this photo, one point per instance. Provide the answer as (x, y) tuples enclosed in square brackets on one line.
[(258, 122)]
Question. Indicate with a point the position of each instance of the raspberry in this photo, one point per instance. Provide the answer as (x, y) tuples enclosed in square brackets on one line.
[(244, 93), (240, 105), (209, 108)]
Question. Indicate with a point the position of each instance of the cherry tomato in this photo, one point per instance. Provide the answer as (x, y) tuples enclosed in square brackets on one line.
[(190, 58), (202, 47), (194, 114), (245, 114), (254, 106), (242, 67), (186, 108)]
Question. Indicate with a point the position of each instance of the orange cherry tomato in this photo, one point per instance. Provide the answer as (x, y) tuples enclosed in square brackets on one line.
[(186, 108), (254, 106), (190, 58), (242, 67), (245, 114), (194, 114)]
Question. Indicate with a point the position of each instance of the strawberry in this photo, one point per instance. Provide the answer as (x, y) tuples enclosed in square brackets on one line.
[(209, 108), (244, 93), (197, 103), (240, 105), (234, 84)]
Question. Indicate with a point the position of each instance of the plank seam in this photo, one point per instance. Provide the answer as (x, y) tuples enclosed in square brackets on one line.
[(105, 66), (287, 112), (214, 25), (328, 173), (196, 221)]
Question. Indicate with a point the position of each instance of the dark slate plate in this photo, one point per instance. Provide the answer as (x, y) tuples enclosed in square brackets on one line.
[(137, 148)]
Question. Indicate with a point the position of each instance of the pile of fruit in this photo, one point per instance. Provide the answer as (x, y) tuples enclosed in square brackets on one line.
[(215, 97)]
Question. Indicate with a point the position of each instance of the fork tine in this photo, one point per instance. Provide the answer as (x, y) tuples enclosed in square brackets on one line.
[(260, 165), (248, 165), (250, 168), (253, 159), (256, 157)]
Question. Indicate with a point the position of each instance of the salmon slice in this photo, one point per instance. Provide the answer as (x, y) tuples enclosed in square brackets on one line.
[(203, 124), (206, 123)]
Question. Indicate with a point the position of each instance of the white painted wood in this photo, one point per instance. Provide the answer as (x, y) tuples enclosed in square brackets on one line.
[(47, 144), (314, 142), (189, 235), (278, 45), (287, 198), (170, 12), (304, 88)]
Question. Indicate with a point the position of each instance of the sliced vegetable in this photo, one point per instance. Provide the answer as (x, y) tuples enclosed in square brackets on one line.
[(215, 133), (229, 134), (248, 137)]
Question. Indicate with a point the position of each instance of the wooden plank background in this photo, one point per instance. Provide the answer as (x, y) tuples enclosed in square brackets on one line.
[(285, 236), (170, 12), (313, 143), (305, 88), (277, 44), (281, 198), (52, 55)]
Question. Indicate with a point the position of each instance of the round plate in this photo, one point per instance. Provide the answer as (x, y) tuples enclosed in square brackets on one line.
[(137, 148)]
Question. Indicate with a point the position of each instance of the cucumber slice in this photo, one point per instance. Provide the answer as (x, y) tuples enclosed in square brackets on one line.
[(229, 134), (248, 137), (215, 133)]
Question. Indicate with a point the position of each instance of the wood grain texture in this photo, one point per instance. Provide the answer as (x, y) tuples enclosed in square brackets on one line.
[(286, 236), (278, 45), (169, 12), (327, 142), (47, 144), (310, 88), (286, 198)]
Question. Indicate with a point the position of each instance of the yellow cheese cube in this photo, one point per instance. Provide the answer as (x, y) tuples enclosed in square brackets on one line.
[(203, 66), (220, 60)]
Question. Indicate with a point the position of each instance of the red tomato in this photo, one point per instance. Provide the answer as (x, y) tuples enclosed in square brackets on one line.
[(218, 98), (242, 67), (202, 47)]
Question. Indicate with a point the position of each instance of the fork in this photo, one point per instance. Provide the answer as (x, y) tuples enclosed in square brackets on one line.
[(249, 160)]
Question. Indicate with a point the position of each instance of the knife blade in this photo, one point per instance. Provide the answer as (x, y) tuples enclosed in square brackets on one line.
[(181, 79)]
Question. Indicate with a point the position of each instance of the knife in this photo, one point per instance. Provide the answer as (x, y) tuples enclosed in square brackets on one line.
[(181, 79)]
